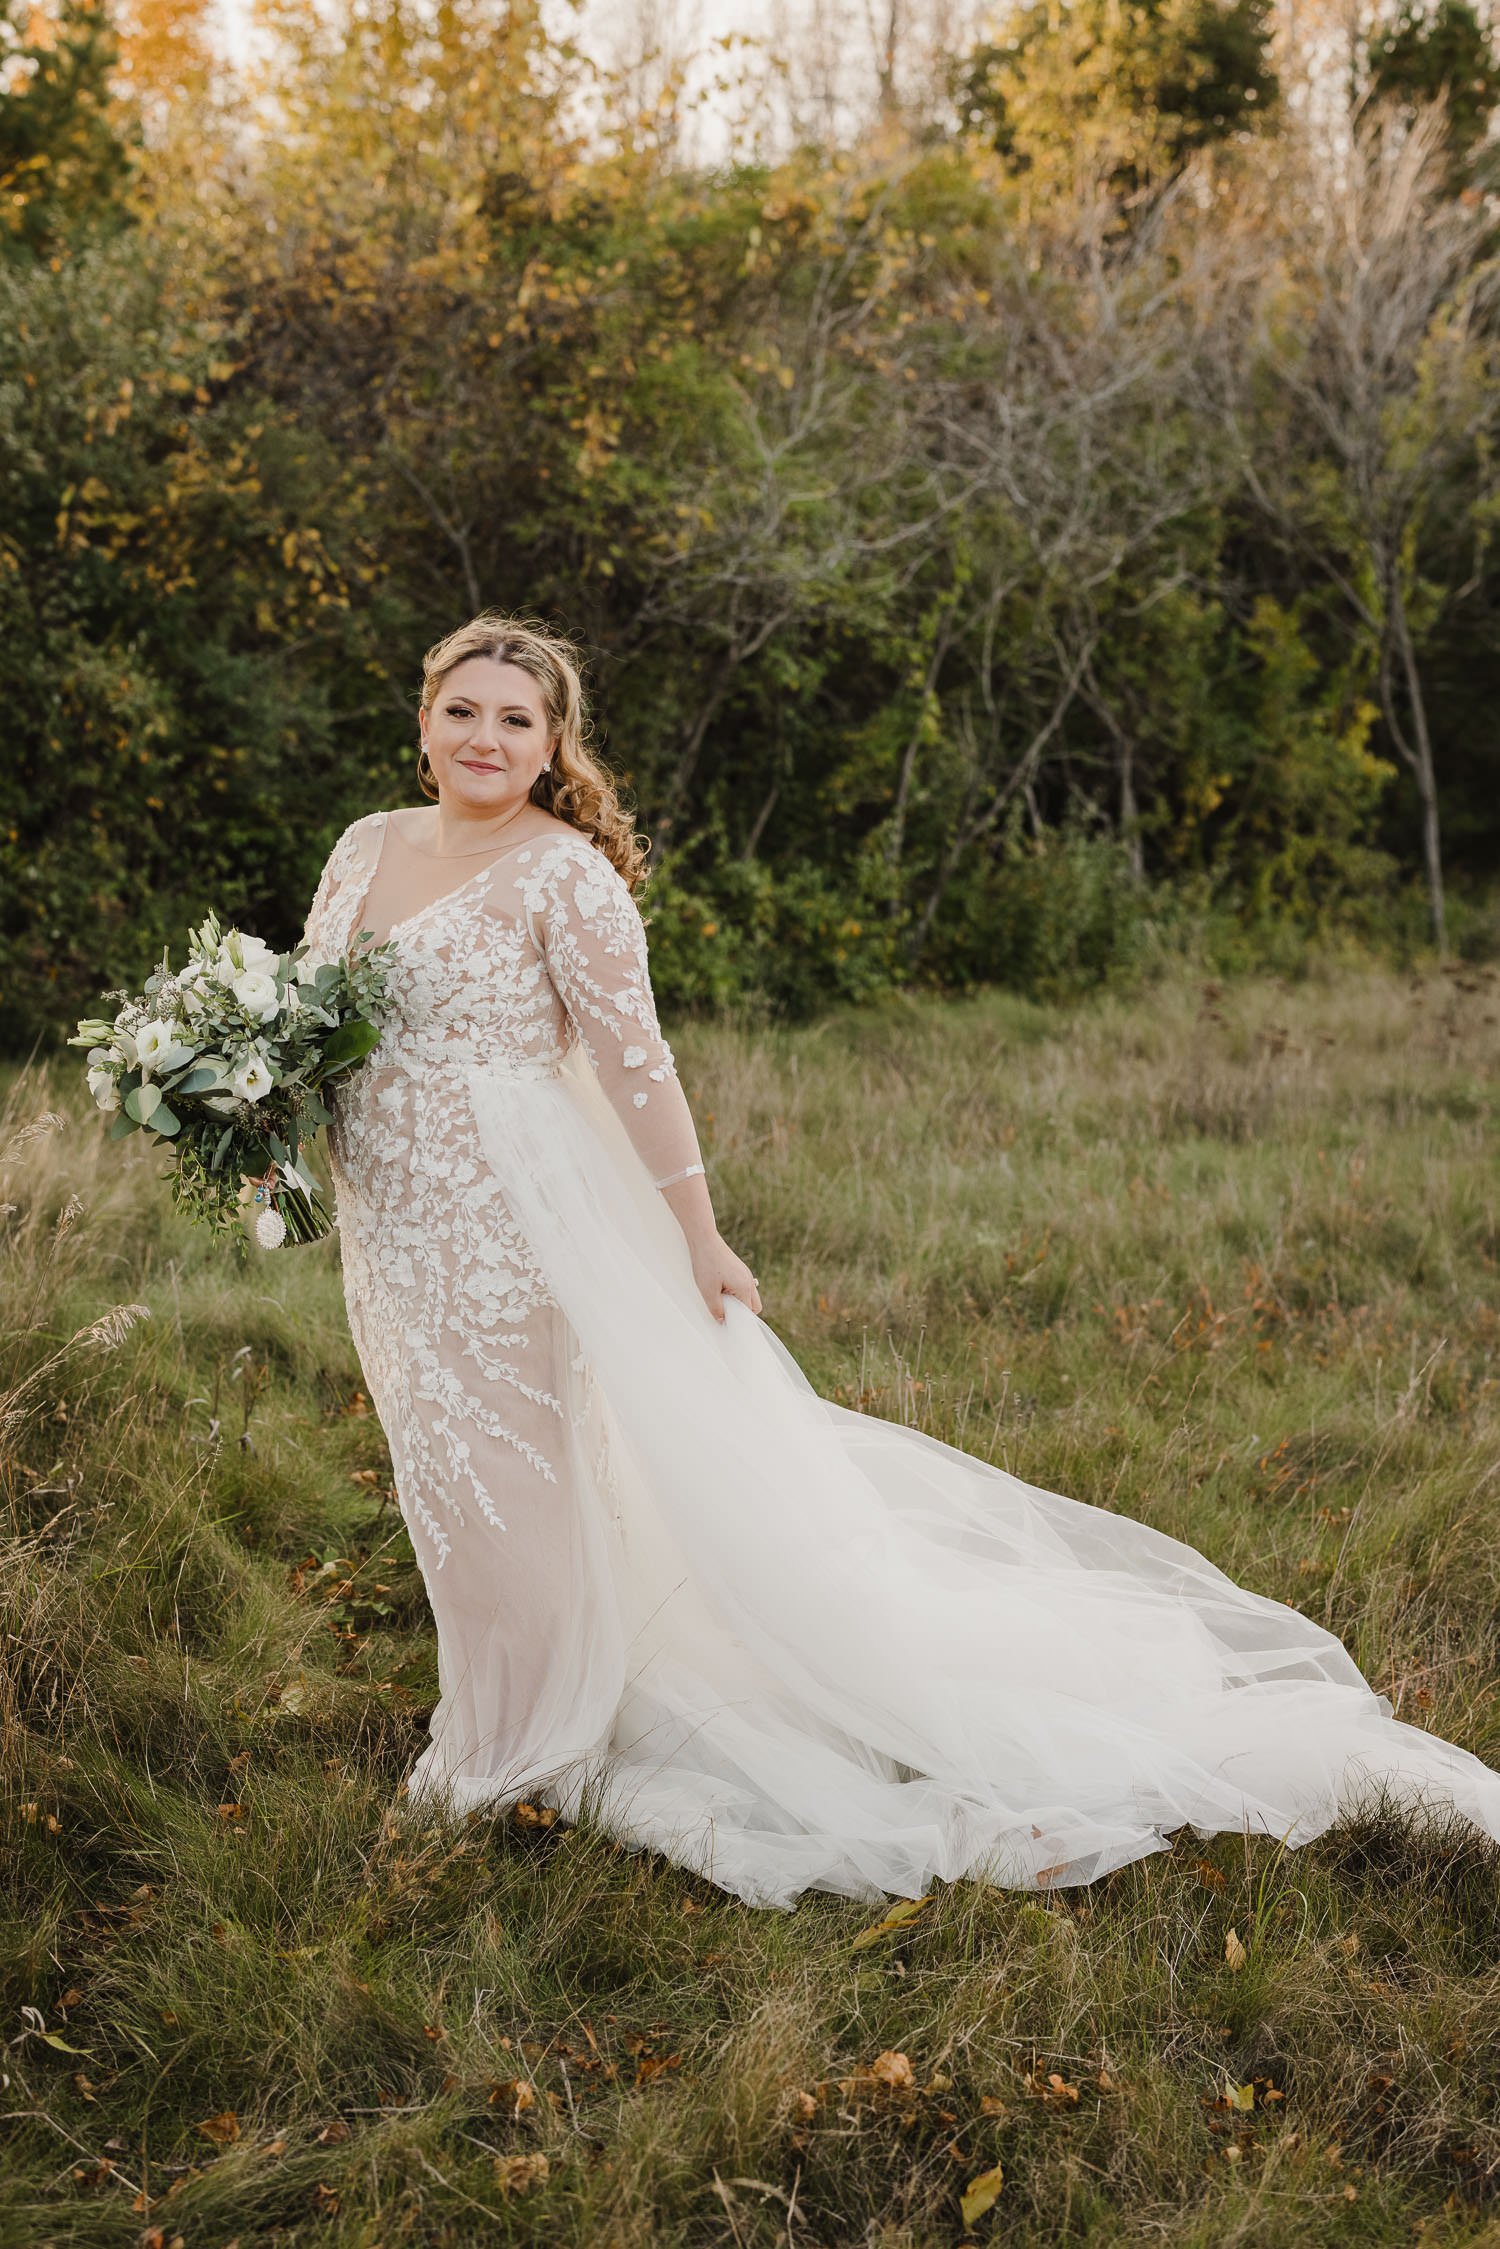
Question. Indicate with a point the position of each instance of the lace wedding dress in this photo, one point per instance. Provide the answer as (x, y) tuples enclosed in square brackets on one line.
[(790, 1645)]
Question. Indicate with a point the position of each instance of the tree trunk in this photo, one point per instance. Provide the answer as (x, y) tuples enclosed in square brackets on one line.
[(1426, 773), (1416, 749), (752, 844), (1130, 813)]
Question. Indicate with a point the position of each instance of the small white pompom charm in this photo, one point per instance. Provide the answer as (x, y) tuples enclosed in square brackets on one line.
[(270, 1229)]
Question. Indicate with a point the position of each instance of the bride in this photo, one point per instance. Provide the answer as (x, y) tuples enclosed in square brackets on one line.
[(792, 1646)]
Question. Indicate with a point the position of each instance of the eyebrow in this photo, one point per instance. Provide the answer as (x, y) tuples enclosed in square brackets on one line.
[(456, 697)]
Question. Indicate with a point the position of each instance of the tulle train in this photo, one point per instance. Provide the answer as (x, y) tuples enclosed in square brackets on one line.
[(821, 1650)]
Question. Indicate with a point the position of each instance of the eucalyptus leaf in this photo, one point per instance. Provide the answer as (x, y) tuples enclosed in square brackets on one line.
[(140, 1102), (203, 1077)]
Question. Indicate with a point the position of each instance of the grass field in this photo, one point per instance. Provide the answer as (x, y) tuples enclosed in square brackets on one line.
[(1226, 1260)]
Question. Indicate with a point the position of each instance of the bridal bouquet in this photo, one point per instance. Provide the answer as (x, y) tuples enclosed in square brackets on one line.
[(223, 1059)]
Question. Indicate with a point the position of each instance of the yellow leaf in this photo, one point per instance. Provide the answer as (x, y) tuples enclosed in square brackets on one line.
[(981, 2194), (1239, 2096), (1234, 1951), (906, 1909)]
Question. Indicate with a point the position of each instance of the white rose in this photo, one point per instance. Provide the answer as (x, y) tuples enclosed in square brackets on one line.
[(256, 993), (104, 1089), (157, 1048), (255, 952), (252, 1081)]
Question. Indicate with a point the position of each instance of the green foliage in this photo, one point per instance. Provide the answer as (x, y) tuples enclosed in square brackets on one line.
[(1053, 913), (1440, 49), (1185, 73), (738, 935), (177, 635), (66, 156), (1302, 789), (858, 474)]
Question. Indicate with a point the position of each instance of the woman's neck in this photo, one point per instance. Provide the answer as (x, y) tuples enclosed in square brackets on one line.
[(461, 835)]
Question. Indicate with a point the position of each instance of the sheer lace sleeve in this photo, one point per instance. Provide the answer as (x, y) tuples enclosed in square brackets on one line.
[(340, 891), (589, 931)]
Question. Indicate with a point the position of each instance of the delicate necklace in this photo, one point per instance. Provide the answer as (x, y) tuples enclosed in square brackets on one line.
[(475, 851)]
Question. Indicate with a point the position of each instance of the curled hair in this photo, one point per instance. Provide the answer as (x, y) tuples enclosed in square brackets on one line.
[(578, 789)]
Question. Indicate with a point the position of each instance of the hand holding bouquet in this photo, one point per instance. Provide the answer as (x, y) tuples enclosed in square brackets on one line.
[(224, 1059)]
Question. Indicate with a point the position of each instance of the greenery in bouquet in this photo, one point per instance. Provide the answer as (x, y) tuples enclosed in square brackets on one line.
[(225, 1060)]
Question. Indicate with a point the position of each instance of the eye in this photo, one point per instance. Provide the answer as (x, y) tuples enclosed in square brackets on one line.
[(459, 710), (520, 718)]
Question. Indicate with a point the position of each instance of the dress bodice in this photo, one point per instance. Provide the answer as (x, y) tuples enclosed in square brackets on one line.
[(541, 947)]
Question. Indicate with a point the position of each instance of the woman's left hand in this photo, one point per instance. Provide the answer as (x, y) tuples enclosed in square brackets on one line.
[(719, 1273)]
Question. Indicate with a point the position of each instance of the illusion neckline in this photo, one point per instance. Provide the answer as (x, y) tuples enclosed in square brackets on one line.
[(542, 836), (455, 890)]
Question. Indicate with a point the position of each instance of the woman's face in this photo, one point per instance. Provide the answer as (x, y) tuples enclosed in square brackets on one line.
[(486, 735)]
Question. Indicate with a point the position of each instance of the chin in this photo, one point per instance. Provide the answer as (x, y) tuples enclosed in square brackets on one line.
[(491, 795)]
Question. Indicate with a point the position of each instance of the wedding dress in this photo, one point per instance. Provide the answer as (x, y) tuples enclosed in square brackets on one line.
[(792, 1646)]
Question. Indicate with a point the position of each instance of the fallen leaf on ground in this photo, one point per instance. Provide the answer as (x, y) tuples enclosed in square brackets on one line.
[(515, 2094), (515, 2173), (903, 1912), (981, 2194)]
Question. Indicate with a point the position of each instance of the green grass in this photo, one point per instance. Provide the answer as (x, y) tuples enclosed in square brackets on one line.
[(1226, 1261)]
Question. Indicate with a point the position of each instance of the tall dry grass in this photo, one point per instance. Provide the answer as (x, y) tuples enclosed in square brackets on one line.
[(1224, 1259)]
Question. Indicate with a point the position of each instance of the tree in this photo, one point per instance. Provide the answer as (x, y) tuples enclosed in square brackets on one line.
[(66, 158), (1367, 405), (1440, 52), (1133, 90)]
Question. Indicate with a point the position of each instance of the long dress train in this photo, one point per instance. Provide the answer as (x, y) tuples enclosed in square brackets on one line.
[(792, 1646)]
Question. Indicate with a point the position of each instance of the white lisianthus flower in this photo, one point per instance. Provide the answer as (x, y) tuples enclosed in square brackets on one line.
[(104, 1089), (256, 993), (125, 1041), (255, 952), (158, 1048), (252, 1081)]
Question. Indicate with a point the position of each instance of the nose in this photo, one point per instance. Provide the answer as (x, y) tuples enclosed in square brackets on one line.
[(486, 736)]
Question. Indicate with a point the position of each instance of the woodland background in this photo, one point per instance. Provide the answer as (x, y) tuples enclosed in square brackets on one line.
[(1037, 522)]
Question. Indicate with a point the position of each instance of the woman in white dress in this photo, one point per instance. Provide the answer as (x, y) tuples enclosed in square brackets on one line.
[(792, 1646)]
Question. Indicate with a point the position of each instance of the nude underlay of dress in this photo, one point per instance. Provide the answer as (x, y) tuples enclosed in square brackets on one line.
[(790, 1645)]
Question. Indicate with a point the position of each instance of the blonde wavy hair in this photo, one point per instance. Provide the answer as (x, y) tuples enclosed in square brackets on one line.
[(577, 788)]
